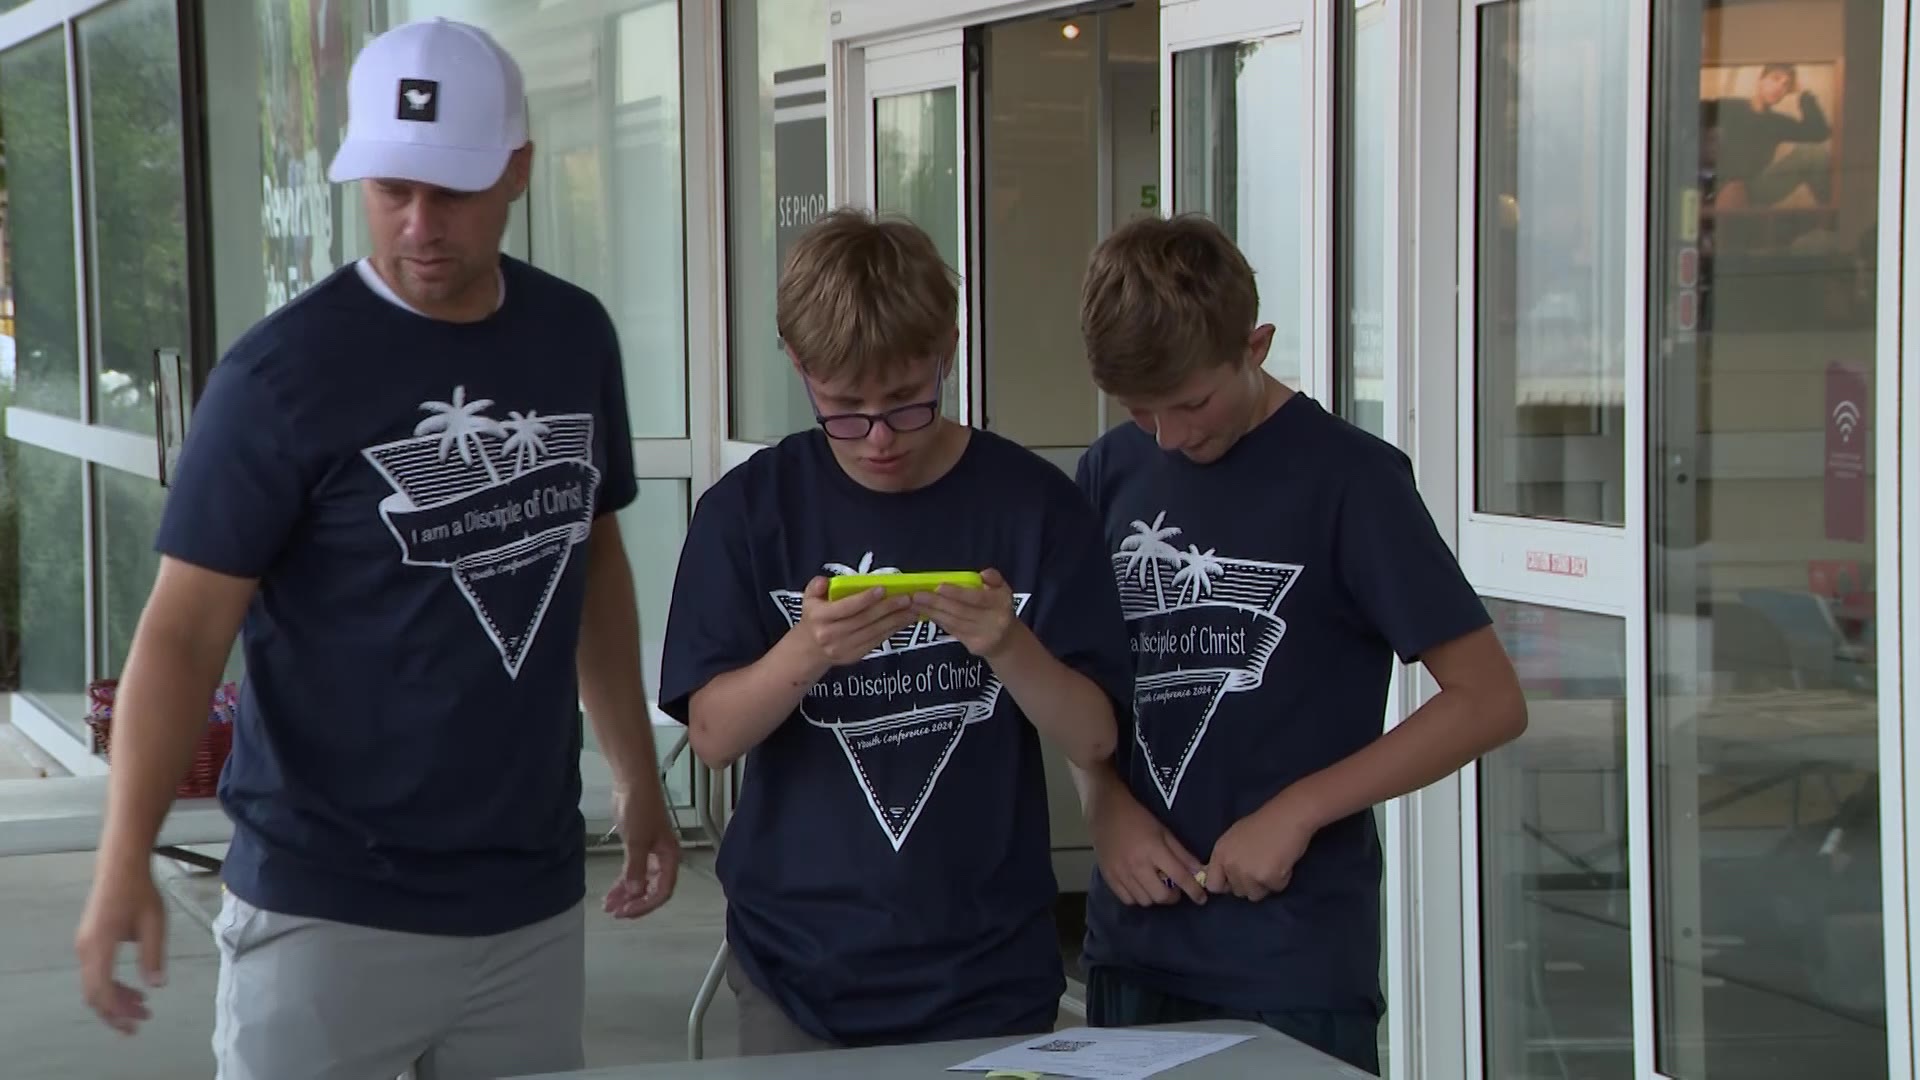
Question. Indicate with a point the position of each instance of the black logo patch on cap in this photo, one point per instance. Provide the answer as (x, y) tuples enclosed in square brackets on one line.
[(419, 100)]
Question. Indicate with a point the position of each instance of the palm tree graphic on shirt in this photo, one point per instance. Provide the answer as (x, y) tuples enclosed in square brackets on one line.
[(526, 439), (840, 569), (1197, 570), (1149, 545), (460, 424), (498, 504), (1203, 625)]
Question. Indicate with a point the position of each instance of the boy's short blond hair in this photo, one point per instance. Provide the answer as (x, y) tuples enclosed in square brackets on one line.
[(861, 295), (1164, 299)]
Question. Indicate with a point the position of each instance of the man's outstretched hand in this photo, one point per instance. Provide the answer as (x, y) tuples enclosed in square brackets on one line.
[(123, 907), (653, 854)]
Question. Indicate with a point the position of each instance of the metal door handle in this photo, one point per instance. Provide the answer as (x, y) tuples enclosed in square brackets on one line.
[(170, 409)]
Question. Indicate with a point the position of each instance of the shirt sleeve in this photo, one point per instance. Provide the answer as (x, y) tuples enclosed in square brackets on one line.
[(1392, 561), (1083, 475), (620, 485), (238, 488), (1087, 477), (1076, 604), (712, 628)]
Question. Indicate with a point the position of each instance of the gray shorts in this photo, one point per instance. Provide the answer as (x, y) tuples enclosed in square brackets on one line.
[(306, 999)]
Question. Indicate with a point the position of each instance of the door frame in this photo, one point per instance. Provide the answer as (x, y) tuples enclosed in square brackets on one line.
[(1897, 463), (1575, 567)]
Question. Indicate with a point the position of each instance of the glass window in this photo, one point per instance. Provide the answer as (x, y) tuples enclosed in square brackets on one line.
[(1551, 205), (43, 644), (1768, 919), (50, 561), (268, 152), (128, 520), (1238, 130), (130, 66), (603, 209), (1369, 77), (653, 529), (917, 175), (43, 342), (129, 62), (776, 90), (1555, 939)]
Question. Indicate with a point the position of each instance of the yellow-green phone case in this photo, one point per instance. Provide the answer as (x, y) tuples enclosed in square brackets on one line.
[(901, 584)]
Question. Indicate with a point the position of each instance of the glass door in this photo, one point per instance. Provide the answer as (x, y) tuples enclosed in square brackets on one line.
[(1244, 85), (914, 145), (1551, 506), (102, 339), (1772, 560)]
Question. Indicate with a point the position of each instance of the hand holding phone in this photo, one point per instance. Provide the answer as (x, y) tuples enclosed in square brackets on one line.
[(981, 617), (841, 631)]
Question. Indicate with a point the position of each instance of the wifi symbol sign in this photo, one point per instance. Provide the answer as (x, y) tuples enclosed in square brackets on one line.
[(1846, 417)]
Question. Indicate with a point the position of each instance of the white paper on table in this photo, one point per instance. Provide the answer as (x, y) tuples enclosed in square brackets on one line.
[(1103, 1053)]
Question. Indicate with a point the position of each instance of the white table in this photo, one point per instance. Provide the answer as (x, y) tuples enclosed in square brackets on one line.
[(63, 814), (1268, 1055)]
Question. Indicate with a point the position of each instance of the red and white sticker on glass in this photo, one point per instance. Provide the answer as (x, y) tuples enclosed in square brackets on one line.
[(1557, 563)]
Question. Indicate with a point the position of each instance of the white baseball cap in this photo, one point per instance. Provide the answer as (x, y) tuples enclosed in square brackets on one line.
[(435, 102)]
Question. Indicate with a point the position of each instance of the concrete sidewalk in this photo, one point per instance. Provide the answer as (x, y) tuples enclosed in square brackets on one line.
[(641, 976)]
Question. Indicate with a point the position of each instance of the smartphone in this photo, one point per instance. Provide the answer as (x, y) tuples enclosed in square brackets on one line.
[(900, 584)]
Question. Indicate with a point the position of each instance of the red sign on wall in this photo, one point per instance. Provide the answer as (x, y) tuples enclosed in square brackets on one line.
[(1847, 446)]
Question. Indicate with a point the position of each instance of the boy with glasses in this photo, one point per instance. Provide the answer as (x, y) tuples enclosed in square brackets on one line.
[(888, 871), (1272, 560)]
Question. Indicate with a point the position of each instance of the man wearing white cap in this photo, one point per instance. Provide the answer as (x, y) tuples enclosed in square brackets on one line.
[(399, 489)]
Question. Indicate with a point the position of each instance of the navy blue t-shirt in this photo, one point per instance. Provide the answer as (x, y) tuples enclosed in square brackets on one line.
[(888, 871), (414, 497), (1266, 595)]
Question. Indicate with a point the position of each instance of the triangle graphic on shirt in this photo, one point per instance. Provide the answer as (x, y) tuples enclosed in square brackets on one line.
[(1185, 701), (899, 712), (898, 764), (511, 588)]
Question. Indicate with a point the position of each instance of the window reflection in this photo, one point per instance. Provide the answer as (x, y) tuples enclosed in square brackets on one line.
[(43, 643), (1551, 217), (1240, 140), (1768, 923), (1369, 78), (917, 176), (282, 226), (43, 325), (603, 208), (1556, 955), (776, 63), (653, 527), (136, 169)]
